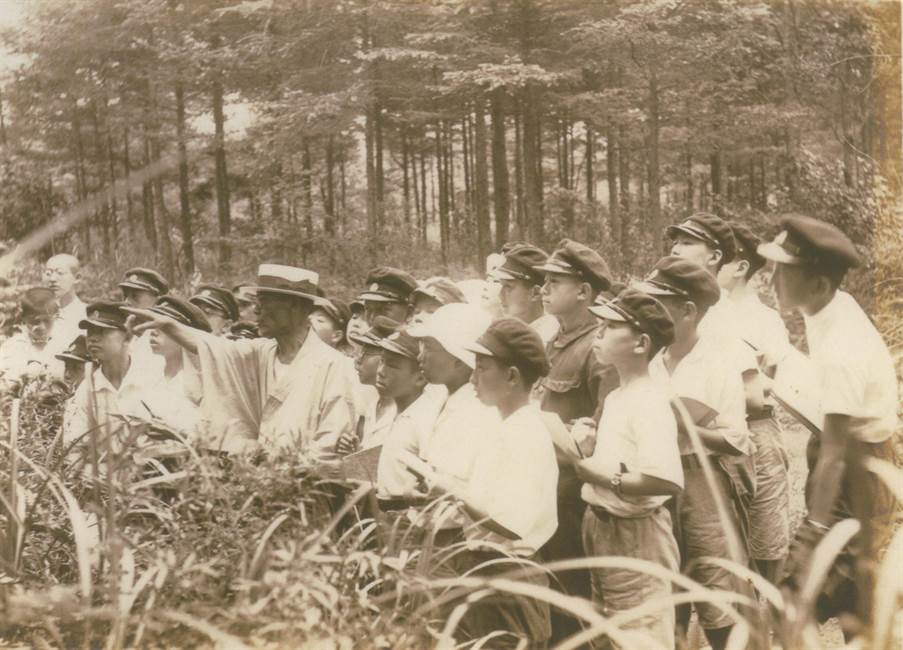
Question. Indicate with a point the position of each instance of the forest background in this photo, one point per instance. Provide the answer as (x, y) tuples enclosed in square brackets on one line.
[(339, 134)]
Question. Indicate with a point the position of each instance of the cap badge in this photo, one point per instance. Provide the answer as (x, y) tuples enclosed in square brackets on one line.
[(94, 315), (374, 287), (132, 278)]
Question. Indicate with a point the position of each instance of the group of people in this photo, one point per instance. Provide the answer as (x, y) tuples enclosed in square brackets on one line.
[(559, 415)]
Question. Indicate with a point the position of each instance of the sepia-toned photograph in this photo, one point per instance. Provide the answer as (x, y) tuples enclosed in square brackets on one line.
[(455, 324)]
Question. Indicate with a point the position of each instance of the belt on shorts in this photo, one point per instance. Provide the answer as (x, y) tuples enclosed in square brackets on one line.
[(400, 503), (763, 413)]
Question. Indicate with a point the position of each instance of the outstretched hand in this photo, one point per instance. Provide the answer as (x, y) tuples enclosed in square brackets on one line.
[(141, 320)]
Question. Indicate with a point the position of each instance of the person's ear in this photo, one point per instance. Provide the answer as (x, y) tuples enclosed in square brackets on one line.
[(643, 343), (690, 310), (585, 292), (742, 269), (514, 376), (717, 256)]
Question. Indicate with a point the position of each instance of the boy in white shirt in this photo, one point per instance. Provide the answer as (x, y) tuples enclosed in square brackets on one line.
[(697, 367), (859, 397), (510, 500), (635, 466), (28, 353)]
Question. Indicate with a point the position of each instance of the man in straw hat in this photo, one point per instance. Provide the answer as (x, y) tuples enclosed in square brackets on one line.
[(287, 390)]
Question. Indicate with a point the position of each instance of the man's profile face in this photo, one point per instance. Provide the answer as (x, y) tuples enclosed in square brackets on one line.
[(275, 314)]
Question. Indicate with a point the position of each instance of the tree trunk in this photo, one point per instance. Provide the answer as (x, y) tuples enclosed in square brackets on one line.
[(442, 188), (424, 212), (500, 188), (370, 155), (127, 168), (652, 164), (223, 210), (307, 194), (466, 146), (688, 168), (379, 169), (101, 183), (329, 195), (532, 169), (184, 205), (406, 178), (481, 183), (611, 165), (624, 177), (147, 197), (590, 166), (520, 210)]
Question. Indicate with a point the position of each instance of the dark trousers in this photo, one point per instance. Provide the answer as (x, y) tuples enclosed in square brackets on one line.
[(567, 544), (863, 496)]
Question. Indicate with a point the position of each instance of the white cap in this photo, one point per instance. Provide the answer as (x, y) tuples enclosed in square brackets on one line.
[(456, 327), (290, 273)]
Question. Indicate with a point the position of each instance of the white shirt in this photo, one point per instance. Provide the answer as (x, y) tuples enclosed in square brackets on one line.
[(855, 368), (378, 419), (761, 327), (65, 325), (547, 327), (410, 426), (97, 402), (638, 430), (515, 481), (451, 443), (169, 401), (710, 376), (722, 321), (20, 358)]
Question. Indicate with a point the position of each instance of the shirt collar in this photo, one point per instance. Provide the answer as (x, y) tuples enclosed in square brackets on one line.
[(820, 321), (130, 379), (566, 338)]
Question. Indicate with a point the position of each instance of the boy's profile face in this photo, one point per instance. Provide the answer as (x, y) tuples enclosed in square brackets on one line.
[(562, 293), (793, 286), (367, 363), (695, 250), (138, 298), (73, 373), (437, 363), (490, 379), (516, 298), (397, 375), (615, 343)]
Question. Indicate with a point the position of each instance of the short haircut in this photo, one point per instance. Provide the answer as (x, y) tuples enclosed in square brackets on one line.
[(71, 261)]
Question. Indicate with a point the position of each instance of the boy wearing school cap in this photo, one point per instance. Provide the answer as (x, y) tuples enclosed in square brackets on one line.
[(140, 289), (450, 443), (763, 330), (114, 385), (286, 392), (28, 352), (218, 305), (431, 294), (634, 467), (695, 366), (376, 411), (509, 501), (329, 320), (173, 398), (574, 389), (388, 294), (859, 398), (74, 358), (246, 298), (521, 288)]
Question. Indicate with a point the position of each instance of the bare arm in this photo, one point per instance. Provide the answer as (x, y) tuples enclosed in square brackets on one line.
[(829, 466), (633, 484), (142, 320)]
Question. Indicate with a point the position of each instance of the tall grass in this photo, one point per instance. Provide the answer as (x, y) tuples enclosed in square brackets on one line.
[(241, 553)]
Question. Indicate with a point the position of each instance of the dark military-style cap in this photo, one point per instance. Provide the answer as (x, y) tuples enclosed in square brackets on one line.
[(402, 343), (521, 263), (709, 228), (109, 315), (77, 351), (805, 241), (381, 328), (387, 284), (142, 279), (243, 329), (580, 261), (356, 307), (183, 311), (440, 289), (38, 301), (219, 298), (642, 311), (747, 246), (676, 276), (337, 310), (513, 341)]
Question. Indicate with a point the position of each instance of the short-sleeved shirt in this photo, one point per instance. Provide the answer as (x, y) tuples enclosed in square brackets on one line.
[(97, 403), (378, 418), (577, 382), (855, 368), (410, 426), (722, 321), (762, 328), (168, 400), (20, 358), (514, 481), (638, 431), (65, 325), (708, 375)]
